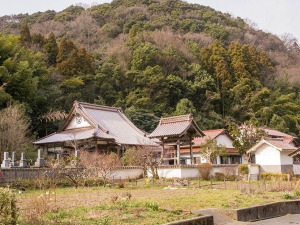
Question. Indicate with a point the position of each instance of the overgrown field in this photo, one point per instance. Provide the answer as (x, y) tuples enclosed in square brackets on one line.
[(135, 203)]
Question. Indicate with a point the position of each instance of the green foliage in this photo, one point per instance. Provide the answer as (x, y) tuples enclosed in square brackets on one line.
[(8, 209), (25, 37), (211, 149), (51, 49), (152, 205), (243, 169), (287, 196), (153, 59)]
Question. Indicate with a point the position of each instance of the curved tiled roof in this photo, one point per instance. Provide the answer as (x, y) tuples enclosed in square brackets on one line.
[(175, 126), (106, 123)]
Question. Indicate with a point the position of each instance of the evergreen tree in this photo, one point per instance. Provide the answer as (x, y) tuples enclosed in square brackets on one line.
[(51, 49), (25, 37)]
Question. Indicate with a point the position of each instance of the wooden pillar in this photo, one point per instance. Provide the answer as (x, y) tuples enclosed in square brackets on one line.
[(178, 152), (191, 152), (163, 151), (119, 152)]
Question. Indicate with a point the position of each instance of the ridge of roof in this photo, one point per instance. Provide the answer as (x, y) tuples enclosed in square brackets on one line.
[(176, 119), (95, 106)]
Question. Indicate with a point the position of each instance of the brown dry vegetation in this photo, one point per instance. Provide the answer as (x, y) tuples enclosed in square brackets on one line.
[(132, 201)]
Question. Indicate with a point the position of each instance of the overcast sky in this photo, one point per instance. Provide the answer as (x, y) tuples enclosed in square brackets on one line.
[(274, 16)]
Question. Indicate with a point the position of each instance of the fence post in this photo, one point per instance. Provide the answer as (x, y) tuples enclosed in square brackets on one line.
[(199, 182)]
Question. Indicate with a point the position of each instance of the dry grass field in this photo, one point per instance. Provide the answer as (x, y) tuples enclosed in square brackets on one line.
[(136, 203)]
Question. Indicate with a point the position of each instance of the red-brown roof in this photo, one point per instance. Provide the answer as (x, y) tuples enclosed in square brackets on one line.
[(275, 133), (175, 126), (209, 134)]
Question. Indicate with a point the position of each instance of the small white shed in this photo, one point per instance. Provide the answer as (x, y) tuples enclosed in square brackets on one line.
[(273, 155)]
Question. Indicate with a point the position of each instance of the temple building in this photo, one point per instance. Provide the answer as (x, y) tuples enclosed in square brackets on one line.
[(94, 127)]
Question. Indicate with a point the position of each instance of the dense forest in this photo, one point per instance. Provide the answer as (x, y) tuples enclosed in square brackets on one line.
[(153, 58)]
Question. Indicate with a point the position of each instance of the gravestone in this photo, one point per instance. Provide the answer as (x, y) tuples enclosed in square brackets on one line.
[(23, 162), (6, 161), (14, 160), (77, 154), (40, 162)]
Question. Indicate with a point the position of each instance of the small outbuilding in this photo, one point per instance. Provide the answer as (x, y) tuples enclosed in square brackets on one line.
[(273, 155)]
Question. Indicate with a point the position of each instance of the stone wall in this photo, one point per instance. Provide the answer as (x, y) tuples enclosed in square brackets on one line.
[(13, 174)]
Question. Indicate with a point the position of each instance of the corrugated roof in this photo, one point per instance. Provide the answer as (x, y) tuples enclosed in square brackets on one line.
[(174, 126)]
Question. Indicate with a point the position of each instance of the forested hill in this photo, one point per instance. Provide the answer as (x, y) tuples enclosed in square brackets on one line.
[(153, 58)]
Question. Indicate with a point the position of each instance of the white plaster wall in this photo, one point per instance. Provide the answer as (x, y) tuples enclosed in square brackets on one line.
[(225, 169), (189, 172), (285, 159), (128, 173), (167, 172), (253, 169), (73, 124), (192, 172), (224, 140), (267, 155)]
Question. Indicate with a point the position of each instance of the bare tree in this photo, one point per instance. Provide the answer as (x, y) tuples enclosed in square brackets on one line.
[(100, 165), (14, 129), (144, 156)]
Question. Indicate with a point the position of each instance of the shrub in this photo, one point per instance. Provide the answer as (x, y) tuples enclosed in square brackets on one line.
[(297, 193), (243, 169), (205, 169), (219, 176), (8, 209), (273, 176)]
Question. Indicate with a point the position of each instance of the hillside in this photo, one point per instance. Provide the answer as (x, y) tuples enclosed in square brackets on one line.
[(153, 58)]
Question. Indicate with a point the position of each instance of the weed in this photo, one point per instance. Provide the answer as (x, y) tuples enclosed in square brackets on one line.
[(105, 221), (297, 193), (152, 205), (287, 196)]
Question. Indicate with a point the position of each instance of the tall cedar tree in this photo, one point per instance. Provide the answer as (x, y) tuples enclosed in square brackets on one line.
[(25, 37), (51, 49)]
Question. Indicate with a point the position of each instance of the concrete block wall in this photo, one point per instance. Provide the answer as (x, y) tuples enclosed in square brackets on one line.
[(264, 211), (201, 220)]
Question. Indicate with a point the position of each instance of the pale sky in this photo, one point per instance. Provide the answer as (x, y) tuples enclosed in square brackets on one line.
[(274, 16)]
